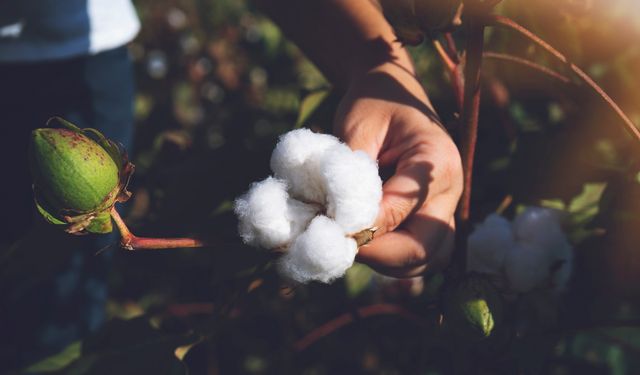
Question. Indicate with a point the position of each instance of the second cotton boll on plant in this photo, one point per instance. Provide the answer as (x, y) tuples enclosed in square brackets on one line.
[(322, 193), (531, 252)]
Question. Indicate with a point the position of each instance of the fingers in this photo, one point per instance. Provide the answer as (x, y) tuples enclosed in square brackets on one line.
[(424, 242)]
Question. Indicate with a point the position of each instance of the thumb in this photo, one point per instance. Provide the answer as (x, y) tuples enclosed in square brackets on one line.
[(402, 195)]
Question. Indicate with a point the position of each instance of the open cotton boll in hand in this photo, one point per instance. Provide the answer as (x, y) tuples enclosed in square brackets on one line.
[(321, 253), (268, 217), (324, 196), (297, 160), (353, 186)]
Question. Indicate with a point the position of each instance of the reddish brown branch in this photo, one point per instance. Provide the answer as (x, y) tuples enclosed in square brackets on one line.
[(470, 110), (348, 318), (495, 20), (450, 44), (528, 63), (130, 241)]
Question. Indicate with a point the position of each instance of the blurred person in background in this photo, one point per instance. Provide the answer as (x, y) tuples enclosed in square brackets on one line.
[(69, 59)]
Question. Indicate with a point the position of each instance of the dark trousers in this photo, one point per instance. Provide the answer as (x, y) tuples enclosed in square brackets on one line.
[(52, 286)]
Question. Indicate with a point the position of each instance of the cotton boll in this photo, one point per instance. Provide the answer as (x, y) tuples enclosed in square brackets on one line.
[(562, 255), (296, 159), (321, 253), (268, 217), (353, 186), (300, 215), (527, 266), (488, 245), (539, 226)]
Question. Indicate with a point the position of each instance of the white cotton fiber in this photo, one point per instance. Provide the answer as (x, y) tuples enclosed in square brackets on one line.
[(323, 253), (296, 159), (527, 266), (353, 187), (562, 254), (269, 217), (488, 245), (538, 225)]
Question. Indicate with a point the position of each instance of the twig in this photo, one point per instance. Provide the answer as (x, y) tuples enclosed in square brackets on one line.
[(495, 20), (130, 241), (347, 318), (453, 69), (450, 43), (528, 63)]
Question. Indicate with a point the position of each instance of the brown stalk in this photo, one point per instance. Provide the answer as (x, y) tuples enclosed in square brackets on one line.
[(130, 241), (470, 110), (348, 318)]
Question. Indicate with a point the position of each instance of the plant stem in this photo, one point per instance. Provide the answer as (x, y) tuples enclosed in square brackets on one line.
[(495, 20), (470, 109), (130, 241), (347, 318), (528, 63), (469, 133)]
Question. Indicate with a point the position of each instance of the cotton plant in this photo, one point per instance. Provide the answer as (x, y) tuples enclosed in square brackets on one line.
[(322, 199), (528, 253)]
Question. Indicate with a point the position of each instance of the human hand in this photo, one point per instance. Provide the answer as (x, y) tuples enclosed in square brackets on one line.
[(386, 113)]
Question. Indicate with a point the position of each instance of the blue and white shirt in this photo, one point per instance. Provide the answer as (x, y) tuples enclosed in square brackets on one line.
[(37, 30)]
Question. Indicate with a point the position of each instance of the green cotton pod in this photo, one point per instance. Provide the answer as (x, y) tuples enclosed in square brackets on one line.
[(472, 308), (75, 179), (413, 19), (436, 15), (402, 17)]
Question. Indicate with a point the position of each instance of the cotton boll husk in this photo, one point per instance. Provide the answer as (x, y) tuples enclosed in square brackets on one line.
[(539, 226), (527, 266), (269, 217), (353, 186), (488, 245), (323, 253), (296, 159)]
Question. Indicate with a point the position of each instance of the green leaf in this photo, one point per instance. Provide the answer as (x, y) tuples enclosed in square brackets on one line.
[(57, 361), (122, 347), (584, 206), (357, 279), (309, 105)]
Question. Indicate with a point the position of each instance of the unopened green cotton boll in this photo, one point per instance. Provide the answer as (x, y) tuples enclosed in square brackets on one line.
[(78, 175), (71, 170), (412, 20)]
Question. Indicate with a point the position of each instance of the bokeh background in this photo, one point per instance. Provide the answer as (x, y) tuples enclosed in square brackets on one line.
[(217, 83)]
